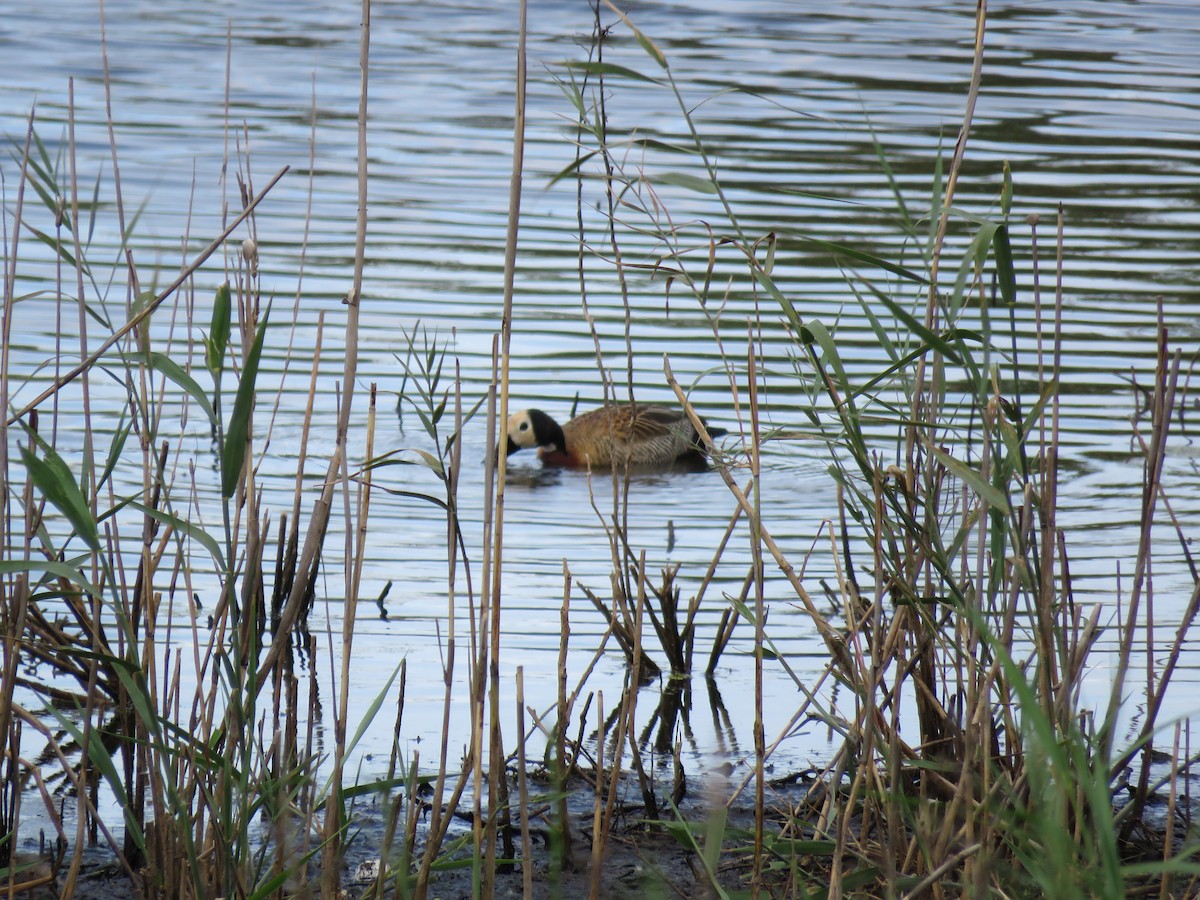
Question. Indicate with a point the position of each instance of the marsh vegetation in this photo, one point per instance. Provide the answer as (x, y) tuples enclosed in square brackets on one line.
[(170, 691)]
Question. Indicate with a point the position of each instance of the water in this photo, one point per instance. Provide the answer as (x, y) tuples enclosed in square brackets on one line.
[(1093, 104)]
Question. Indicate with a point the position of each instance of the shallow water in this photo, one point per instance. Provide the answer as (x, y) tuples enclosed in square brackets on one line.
[(1093, 104)]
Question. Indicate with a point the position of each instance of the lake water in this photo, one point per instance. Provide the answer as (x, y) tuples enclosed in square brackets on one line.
[(1095, 104)]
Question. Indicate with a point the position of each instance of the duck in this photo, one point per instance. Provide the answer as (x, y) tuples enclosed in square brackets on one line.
[(617, 434)]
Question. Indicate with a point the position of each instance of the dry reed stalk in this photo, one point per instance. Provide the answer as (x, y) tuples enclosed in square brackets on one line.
[(90, 780), (480, 643), (306, 425), (608, 392), (492, 591), (921, 467), (523, 790), (618, 543), (630, 704), (623, 713), (14, 612), (598, 812), (562, 769), (330, 883), (1055, 706), (956, 161), (355, 552), (1162, 404), (597, 46), (760, 613)]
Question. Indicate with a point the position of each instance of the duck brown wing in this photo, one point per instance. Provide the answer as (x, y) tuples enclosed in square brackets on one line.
[(659, 436), (650, 422), (622, 433)]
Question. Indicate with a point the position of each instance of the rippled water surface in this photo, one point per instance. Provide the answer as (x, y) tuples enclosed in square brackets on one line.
[(1094, 104)]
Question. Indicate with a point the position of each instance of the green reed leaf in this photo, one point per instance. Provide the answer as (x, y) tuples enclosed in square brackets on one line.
[(941, 343), (59, 247), (645, 42), (233, 453), (116, 447), (51, 475), (53, 567), (691, 182), (216, 345), (1005, 275), (868, 258), (195, 532), (1006, 191), (596, 68), (99, 756), (166, 366), (973, 478), (972, 261)]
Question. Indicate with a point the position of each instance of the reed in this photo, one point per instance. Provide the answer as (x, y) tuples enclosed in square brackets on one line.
[(953, 573), (191, 732)]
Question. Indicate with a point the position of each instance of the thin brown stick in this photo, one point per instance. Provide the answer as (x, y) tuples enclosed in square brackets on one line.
[(149, 308)]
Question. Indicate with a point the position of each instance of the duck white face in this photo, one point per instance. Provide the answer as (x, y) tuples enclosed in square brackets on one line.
[(521, 434)]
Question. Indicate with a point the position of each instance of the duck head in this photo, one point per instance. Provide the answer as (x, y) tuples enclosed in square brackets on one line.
[(531, 428)]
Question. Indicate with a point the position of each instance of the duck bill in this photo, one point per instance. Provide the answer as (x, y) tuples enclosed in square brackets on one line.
[(510, 448)]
